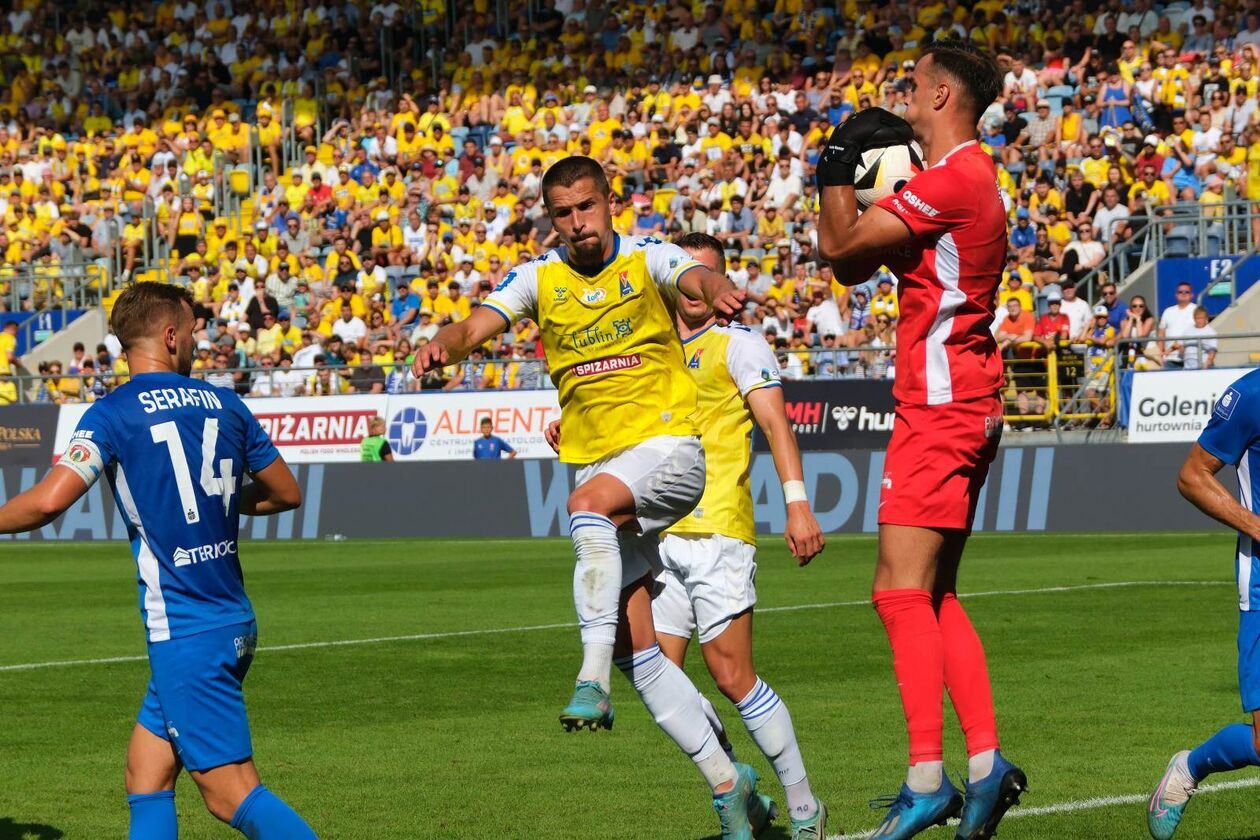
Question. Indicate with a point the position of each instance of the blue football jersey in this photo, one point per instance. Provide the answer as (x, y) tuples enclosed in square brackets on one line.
[(1233, 436), (175, 451)]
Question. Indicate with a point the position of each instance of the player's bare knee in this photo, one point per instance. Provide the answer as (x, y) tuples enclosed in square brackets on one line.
[(735, 681), (581, 501), (734, 676), (140, 780), (222, 807)]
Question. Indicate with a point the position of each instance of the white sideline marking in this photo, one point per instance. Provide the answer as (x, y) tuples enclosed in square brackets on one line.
[(454, 634), (1088, 804)]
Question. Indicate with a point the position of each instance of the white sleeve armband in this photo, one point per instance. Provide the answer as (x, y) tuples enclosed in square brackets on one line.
[(84, 457)]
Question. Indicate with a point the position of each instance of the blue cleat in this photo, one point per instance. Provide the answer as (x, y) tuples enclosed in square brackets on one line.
[(1169, 801), (910, 813), (814, 828), (590, 708), (741, 804), (989, 799)]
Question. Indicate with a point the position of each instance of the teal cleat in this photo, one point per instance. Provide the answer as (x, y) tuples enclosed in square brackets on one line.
[(761, 813), (590, 708), (738, 806), (989, 799), (910, 813), (1168, 802), (814, 828)]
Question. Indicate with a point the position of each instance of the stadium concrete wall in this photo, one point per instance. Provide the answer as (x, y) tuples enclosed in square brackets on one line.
[(1098, 488)]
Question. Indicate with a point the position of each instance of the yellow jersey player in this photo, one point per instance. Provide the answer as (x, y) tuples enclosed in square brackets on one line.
[(708, 555), (602, 302)]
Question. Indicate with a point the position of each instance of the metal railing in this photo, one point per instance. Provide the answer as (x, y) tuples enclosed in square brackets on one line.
[(1225, 284), (69, 285), (1231, 350), (491, 373), (1183, 229), (273, 381), (1068, 383)]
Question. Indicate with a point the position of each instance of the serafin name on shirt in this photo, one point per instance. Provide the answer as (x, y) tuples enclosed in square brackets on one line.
[(165, 399)]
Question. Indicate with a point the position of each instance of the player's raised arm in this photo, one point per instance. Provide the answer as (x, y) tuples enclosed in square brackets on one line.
[(853, 242), (273, 490), (44, 502), (515, 297), (454, 342), (715, 289), (802, 533), (671, 266)]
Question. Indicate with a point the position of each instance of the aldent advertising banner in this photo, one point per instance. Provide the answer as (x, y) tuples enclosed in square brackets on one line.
[(1169, 406), (420, 427)]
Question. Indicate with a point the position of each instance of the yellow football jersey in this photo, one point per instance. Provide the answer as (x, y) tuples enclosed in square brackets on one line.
[(610, 342), (728, 364)]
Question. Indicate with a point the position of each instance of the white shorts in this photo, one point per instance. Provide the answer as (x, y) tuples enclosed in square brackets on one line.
[(665, 475), (706, 582)]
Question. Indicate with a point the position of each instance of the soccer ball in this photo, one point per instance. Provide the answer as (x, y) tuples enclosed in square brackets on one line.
[(883, 172)]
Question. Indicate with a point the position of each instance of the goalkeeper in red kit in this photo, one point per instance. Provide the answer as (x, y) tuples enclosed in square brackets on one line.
[(944, 237)]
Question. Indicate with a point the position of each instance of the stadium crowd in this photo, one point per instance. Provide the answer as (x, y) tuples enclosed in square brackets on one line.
[(407, 198)]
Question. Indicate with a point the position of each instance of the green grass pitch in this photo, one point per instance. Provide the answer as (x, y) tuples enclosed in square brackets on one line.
[(455, 735)]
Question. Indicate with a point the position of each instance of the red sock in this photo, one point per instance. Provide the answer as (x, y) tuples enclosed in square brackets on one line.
[(967, 677), (919, 663)]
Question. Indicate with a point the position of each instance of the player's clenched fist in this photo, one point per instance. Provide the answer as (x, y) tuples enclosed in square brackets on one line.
[(873, 128), (430, 357), (552, 434), (803, 534), (729, 304)]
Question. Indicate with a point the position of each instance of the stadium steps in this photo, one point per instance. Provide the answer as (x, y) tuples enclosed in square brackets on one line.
[(89, 328), (1141, 281), (1241, 316)]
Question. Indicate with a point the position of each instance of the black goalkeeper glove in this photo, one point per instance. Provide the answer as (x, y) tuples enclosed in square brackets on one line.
[(873, 128)]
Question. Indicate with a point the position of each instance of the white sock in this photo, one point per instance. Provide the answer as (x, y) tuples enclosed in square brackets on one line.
[(674, 703), (596, 663), (718, 728), (980, 765), (926, 776), (596, 592), (770, 726)]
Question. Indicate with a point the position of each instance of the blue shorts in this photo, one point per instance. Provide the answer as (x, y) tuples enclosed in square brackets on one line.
[(1249, 660), (195, 699)]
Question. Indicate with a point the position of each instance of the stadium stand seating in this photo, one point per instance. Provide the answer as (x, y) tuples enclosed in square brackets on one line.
[(321, 155)]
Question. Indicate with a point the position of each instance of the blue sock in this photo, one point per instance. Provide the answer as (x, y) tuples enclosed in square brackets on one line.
[(153, 816), (1231, 748), (265, 816)]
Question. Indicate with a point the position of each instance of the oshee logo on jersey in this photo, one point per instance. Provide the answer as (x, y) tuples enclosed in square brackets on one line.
[(612, 363), (204, 553)]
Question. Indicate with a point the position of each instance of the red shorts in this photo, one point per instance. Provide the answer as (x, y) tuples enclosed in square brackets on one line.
[(937, 462)]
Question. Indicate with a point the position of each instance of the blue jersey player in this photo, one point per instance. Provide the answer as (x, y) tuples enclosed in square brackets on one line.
[(1232, 436), (175, 451)]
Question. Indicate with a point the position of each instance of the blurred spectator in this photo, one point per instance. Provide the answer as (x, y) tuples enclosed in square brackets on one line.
[(1078, 311), (1199, 345), (1053, 328), (375, 447), (1014, 329), (1174, 322), (488, 445), (1099, 338)]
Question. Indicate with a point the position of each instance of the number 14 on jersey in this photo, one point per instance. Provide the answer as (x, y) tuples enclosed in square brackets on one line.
[(223, 484)]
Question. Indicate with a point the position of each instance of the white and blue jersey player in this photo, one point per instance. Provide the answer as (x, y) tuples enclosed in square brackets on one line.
[(1231, 437), (175, 452)]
